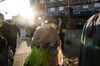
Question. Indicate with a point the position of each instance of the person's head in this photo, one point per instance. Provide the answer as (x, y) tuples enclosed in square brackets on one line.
[(91, 32), (1, 18)]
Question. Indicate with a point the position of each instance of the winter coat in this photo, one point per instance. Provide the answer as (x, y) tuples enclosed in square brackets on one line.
[(90, 48), (48, 37)]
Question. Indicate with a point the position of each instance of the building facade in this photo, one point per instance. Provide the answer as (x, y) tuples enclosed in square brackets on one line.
[(82, 9)]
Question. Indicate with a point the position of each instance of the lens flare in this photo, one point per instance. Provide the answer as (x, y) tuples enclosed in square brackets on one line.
[(18, 7)]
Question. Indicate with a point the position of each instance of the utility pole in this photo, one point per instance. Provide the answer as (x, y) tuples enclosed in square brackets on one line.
[(45, 8), (70, 25)]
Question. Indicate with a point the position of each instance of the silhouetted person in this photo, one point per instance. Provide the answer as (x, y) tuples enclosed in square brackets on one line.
[(5, 32), (90, 47), (15, 33), (62, 28), (3, 50), (46, 36)]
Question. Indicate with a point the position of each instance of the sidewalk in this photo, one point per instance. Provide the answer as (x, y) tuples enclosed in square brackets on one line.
[(22, 52)]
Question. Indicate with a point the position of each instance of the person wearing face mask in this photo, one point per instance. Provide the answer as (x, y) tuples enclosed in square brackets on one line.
[(5, 30)]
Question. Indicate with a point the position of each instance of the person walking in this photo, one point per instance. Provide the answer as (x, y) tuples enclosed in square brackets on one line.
[(14, 34), (5, 30), (89, 54), (47, 38)]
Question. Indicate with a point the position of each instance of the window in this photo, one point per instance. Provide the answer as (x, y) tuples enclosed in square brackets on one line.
[(42, 1), (91, 5), (52, 9), (96, 0), (96, 4), (61, 8), (85, 6), (77, 6), (51, 1), (60, 0), (76, 12)]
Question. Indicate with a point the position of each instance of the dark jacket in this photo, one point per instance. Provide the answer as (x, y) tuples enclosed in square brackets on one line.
[(15, 31), (5, 30), (90, 49)]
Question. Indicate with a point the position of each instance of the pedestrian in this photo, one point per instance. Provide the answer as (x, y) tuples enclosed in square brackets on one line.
[(2, 51), (90, 48), (5, 32), (47, 38), (14, 34), (29, 33), (62, 30)]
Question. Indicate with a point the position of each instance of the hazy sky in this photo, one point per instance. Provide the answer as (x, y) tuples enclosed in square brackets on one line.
[(14, 7)]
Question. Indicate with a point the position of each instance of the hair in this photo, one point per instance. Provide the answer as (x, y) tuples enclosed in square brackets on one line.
[(2, 15)]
